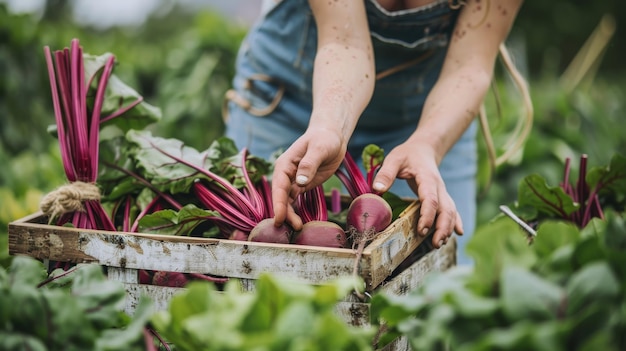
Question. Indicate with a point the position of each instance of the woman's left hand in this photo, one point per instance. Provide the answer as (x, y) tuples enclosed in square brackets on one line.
[(416, 164)]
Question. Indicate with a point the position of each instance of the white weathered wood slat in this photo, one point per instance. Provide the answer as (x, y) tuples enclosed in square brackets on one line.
[(124, 254), (352, 309), (218, 257)]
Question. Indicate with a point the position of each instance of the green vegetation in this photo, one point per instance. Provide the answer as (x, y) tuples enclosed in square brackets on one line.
[(279, 315), (66, 310), (566, 291)]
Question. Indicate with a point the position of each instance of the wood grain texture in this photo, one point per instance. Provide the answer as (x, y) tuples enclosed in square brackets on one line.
[(125, 253), (224, 258)]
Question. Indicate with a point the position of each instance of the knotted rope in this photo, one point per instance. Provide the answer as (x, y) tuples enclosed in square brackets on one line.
[(68, 198)]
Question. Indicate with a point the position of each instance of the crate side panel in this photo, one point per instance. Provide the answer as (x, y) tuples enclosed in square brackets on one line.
[(393, 246), (218, 257), (413, 277), (159, 295), (225, 258), (399, 344), (46, 243), (354, 313)]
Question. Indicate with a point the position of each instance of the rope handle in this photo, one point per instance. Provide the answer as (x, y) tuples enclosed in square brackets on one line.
[(69, 198)]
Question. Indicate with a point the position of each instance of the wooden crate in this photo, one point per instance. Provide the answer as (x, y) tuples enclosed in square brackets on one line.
[(124, 253)]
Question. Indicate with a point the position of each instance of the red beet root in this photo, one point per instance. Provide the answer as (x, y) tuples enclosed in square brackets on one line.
[(368, 214), (265, 231), (171, 279), (321, 233), (145, 277), (238, 235)]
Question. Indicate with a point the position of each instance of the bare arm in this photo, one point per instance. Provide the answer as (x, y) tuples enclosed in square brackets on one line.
[(466, 74), (449, 109), (343, 78), (343, 82)]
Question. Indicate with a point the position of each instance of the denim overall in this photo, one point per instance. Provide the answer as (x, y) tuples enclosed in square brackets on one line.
[(271, 101)]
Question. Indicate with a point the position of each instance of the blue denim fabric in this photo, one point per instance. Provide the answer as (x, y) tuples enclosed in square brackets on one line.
[(282, 45)]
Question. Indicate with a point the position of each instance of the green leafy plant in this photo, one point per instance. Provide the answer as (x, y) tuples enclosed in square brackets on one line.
[(78, 309), (577, 201), (279, 315), (565, 291)]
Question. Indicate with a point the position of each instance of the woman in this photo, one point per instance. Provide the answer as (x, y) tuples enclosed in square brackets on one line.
[(316, 78)]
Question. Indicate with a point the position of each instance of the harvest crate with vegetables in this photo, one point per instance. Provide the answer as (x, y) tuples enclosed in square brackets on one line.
[(157, 213)]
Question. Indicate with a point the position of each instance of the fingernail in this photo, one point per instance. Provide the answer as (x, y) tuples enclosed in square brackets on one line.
[(441, 243), (425, 231), (379, 186), (301, 179)]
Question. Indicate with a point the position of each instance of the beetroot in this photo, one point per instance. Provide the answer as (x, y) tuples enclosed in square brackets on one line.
[(321, 233), (265, 231), (368, 214), (317, 230), (238, 234), (171, 279), (145, 277)]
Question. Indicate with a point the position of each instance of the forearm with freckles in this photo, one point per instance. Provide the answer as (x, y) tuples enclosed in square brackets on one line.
[(466, 74), (343, 83), (450, 108)]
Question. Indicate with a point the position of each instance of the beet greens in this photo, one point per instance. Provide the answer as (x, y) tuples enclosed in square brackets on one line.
[(85, 95), (575, 201), (78, 131), (222, 179)]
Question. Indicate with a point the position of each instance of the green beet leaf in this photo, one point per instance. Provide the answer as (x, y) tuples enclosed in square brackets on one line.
[(172, 167), (282, 314), (116, 339), (615, 232), (10, 341), (521, 336), (527, 296), (69, 310), (26, 271), (500, 243), (116, 168), (69, 325), (588, 250), (171, 222), (28, 311), (373, 156), (594, 282), (226, 161), (158, 161), (552, 235), (332, 333), (326, 295), (615, 242), (610, 179), (553, 201), (294, 325), (559, 265), (118, 94)]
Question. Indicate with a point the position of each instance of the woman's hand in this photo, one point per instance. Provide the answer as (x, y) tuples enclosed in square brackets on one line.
[(307, 163), (343, 82), (417, 164), (448, 110)]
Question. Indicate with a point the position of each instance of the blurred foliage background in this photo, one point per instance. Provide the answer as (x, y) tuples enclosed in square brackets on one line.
[(181, 59)]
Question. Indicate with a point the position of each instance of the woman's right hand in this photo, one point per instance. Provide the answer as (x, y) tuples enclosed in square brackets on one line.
[(307, 163), (342, 85)]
